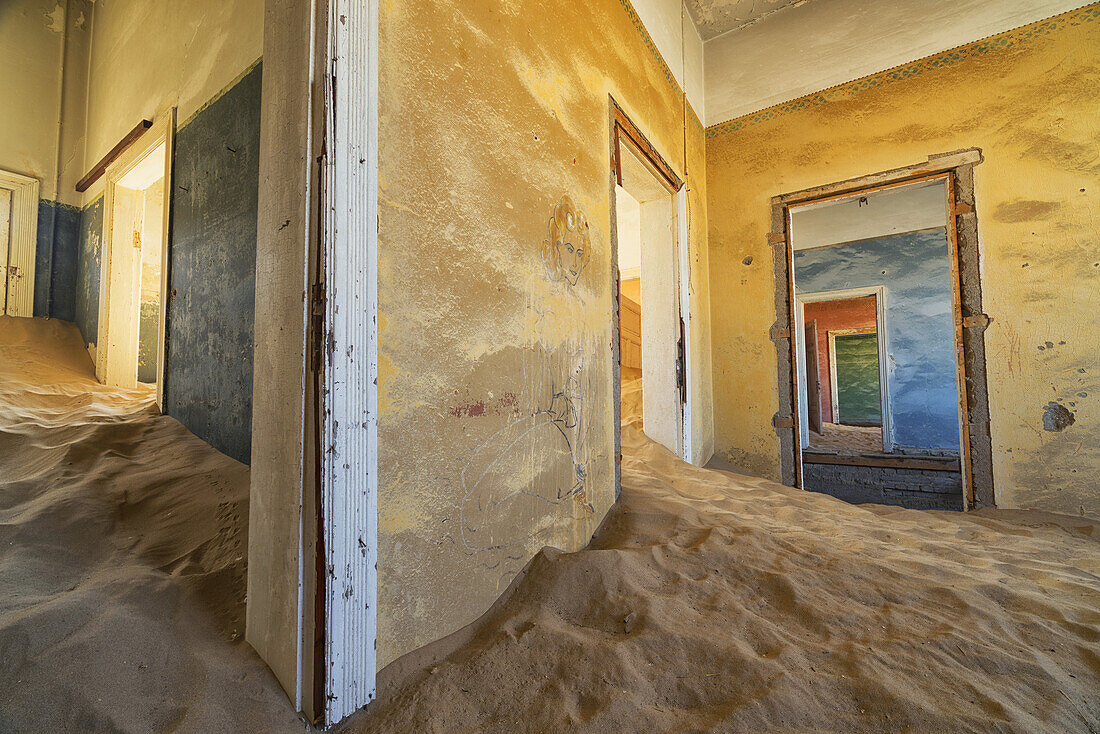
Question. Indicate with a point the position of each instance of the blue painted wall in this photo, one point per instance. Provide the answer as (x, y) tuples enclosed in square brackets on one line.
[(920, 337), (88, 262), (55, 260), (212, 269)]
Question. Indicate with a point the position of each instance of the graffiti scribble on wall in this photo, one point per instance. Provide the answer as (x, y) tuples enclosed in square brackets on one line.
[(566, 250), (538, 459)]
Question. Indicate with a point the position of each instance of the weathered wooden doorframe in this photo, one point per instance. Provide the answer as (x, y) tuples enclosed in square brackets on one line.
[(877, 292), (312, 568), (345, 349), (956, 169), (624, 132)]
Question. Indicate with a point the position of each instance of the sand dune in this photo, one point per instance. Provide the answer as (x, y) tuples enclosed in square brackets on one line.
[(708, 601), (122, 541)]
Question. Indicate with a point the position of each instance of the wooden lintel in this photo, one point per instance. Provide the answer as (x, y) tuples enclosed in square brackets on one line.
[(100, 168), (888, 462), (627, 131)]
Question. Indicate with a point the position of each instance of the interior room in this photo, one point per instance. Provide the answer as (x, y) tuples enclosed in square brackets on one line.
[(475, 366), (876, 372)]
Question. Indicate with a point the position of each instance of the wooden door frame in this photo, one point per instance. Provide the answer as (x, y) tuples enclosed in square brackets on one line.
[(624, 131), (956, 169), (161, 132), (313, 531)]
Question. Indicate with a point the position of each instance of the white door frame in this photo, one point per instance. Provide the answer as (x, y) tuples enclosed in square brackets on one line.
[(349, 361), (625, 135), (161, 132), (683, 286), (17, 259), (879, 293)]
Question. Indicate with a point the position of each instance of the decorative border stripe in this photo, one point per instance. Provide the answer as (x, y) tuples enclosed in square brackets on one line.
[(647, 40), (950, 57)]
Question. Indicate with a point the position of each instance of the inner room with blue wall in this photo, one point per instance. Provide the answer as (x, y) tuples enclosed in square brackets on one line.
[(876, 345)]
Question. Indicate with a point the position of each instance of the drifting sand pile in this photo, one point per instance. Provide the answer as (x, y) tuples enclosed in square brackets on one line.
[(708, 601), (714, 601), (122, 542)]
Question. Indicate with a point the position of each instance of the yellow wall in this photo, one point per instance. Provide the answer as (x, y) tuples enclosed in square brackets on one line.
[(487, 122), (1029, 100)]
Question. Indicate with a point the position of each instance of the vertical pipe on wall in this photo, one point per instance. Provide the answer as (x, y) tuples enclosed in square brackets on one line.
[(48, 272)]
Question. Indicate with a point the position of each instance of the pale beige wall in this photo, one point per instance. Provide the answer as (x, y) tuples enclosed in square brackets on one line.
[(31, 43), (150, 55), (1028, 100)]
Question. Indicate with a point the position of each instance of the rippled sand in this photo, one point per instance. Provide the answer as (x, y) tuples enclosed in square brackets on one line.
[(708, 600)]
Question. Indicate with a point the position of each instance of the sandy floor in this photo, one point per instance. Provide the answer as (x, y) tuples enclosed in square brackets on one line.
[(708, 601), (122, 543), (847, 439)]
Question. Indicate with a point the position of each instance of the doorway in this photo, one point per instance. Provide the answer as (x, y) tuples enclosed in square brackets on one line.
[(844, 373), (648, 199), (18, 242), (879, 393), (130, 347)]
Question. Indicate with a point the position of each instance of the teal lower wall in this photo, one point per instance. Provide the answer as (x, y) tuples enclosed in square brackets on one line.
[(55, 260)]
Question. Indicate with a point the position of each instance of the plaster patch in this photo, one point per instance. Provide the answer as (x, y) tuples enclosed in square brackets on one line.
[(56, 18), (1025, 210)]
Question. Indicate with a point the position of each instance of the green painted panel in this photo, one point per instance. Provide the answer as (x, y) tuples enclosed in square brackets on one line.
[(857, 385)]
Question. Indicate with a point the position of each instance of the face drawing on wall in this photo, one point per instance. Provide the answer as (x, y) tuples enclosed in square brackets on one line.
[(566, 251)]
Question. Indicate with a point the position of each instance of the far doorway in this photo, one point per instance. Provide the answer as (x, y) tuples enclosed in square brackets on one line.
[(844, 373), (648, 219), (130, 348)]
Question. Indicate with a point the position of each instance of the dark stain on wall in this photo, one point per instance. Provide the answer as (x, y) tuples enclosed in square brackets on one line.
[(55, 260), (212, 264), (88, 262), (1057, 417)]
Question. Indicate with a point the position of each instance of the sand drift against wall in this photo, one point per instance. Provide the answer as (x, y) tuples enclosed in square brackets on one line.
[(122, 544), (708, 601), (714, 601)]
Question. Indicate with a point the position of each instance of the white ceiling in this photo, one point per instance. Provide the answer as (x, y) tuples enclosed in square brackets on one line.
[(859, 217), (791, 48), (715, 17)]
